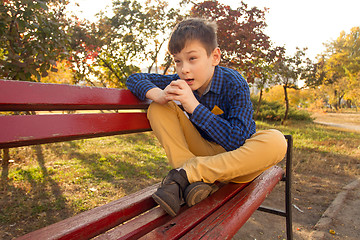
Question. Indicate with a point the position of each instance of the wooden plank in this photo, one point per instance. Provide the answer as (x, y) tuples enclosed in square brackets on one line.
[(27, 96), (227, 220), (188, 218), (23, 130), (98, 220), (137, 227)]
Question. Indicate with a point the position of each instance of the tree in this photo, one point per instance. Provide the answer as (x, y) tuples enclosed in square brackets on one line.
[(288, 70), (260, 83), (266, 74), (244, 45), (337, 69), (353, 95), (62, 76), (32, 38), (118, 46)]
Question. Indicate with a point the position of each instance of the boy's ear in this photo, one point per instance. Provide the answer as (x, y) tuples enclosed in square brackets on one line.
[(216, 56)]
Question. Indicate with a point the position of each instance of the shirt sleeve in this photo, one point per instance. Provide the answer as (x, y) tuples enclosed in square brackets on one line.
[(140, 83), (232, 131)]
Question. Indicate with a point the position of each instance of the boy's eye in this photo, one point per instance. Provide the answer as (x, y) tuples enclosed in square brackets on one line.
[(192, 58), (177, 61)]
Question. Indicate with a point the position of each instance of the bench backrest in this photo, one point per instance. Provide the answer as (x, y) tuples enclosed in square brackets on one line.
[(47, 126)]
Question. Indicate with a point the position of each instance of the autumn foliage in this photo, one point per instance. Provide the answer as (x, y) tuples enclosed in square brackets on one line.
[(240, 35), (38, 37)]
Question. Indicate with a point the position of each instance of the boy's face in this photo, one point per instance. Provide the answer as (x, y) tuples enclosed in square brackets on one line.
[(194, 65)]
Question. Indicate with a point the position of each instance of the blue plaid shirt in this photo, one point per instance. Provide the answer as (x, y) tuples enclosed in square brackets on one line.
[(225, 113)]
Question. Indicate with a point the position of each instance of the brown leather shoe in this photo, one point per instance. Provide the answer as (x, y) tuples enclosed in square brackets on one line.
[(170, 193), (198, 191)]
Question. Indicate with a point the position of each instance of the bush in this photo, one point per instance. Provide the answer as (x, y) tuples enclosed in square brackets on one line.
[(299, 114), (274, 111)]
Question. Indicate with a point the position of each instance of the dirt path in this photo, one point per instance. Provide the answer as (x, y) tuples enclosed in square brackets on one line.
[(349, 121), (317, 214), (337, 125), (342, 218)]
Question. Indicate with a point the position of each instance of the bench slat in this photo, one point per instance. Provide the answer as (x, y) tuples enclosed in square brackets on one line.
[(98, 220), (33, 96), (23, 130), (173, 227), (188, 218), (227, 220), (138, 227)]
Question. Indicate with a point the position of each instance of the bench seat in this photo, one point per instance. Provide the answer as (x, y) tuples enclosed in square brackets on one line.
[(137, 216)]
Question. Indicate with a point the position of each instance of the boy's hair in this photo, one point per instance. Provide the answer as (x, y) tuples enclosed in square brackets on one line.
[(193, 29)]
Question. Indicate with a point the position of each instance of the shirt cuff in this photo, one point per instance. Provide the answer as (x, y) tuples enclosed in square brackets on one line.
[(201, 116)]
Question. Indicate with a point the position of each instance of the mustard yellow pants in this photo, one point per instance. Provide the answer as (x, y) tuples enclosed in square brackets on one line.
[(207, 161)]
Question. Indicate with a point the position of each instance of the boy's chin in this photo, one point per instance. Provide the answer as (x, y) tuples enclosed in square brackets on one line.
[(193, 88)]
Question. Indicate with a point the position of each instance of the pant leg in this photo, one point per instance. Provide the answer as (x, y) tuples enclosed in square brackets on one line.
[(179, 137), (263, 150)]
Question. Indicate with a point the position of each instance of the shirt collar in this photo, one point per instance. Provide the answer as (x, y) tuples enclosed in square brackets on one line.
[(216, 81), (208, 87)]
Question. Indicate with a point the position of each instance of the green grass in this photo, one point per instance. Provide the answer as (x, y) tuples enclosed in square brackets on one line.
[(321, 151), (51, 182), (54, 181)]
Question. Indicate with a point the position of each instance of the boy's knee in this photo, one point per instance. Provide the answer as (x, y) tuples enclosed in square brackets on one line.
[(156, 109), (274, 139), (279, 139), (152, 106)]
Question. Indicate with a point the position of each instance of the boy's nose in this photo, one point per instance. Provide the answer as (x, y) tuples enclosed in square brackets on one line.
[(185, 69)]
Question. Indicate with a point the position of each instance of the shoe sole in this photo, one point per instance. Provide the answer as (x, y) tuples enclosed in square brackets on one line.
[(196, 192), (163, 205)]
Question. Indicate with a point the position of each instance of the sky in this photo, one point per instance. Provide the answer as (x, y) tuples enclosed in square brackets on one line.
[(301, 23)]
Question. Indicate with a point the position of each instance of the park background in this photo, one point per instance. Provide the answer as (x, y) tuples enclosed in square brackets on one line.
[(58, 41)]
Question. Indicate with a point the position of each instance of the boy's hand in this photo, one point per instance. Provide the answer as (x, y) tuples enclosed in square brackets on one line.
[(157, 95), (180, 91)]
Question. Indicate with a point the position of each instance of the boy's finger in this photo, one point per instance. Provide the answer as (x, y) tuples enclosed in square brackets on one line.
[(171, 97), (174, 83), (179, 83), (174, 90)]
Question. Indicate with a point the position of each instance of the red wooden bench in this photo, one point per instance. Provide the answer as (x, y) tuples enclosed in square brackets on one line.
[(134, 216)]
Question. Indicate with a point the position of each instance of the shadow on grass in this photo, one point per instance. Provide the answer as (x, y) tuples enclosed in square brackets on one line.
[(37, 199), (134, 163), (124, 171), (54, 186)]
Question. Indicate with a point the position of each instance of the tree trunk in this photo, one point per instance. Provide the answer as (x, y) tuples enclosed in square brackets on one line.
[(5, 169), (286, 105), (341, 96), (348, 103), (6, 157), (110, 68), (339, 102), (336, 105), (258, 106), (155, 61)]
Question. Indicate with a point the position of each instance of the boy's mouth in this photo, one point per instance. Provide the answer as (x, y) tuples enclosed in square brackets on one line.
[(189, 81)]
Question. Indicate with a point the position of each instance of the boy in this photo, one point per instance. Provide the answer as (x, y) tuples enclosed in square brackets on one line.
[(216, 140)]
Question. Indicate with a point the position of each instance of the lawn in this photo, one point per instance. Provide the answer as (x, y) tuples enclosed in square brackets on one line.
[(47, 183)]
